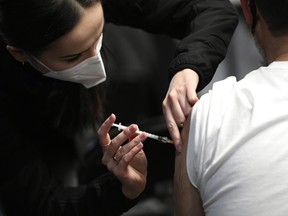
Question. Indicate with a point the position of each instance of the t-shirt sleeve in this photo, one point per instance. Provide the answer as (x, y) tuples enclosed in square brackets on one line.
[(205, 124)]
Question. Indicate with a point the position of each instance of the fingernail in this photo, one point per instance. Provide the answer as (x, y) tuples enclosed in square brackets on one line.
[(111, 116), (179, 148), (132, 128), (142, 135)]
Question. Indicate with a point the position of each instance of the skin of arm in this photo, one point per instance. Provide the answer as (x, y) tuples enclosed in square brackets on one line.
[(187, 201)]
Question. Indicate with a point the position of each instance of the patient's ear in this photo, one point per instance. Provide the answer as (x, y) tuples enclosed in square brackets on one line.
[(17, 53), (247, 11)]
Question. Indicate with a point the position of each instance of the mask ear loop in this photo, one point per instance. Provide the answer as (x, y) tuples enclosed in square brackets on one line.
[(254, 16)]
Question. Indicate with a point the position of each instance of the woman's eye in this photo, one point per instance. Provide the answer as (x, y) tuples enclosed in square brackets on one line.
[(73, 59)]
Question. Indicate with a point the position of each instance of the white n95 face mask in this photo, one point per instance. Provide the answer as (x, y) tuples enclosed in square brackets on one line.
[(89, 72)]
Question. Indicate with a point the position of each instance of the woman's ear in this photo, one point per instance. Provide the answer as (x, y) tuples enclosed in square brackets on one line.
[(247, 11), (17, 53)]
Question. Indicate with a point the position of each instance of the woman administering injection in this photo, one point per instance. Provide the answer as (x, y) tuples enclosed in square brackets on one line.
[(50, 101)]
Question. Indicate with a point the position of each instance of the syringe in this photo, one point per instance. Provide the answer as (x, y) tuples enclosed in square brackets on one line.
[(152, 136)]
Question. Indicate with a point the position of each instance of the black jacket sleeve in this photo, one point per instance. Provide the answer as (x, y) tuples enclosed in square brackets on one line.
[(205, 28)]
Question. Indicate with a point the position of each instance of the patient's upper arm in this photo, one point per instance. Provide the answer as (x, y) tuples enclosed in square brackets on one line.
[(187, 201)]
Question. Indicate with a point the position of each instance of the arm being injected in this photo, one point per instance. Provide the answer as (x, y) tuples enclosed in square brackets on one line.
[(152, 136)]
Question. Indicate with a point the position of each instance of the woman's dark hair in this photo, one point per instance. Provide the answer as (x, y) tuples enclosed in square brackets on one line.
[(275, 14), (33, 24)]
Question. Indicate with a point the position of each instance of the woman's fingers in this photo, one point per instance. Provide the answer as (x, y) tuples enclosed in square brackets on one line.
[(128, 151), (103, 131), (116, 150), (178, 103)]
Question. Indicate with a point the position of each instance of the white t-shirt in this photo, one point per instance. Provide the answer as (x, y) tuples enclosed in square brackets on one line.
[(238, 145)]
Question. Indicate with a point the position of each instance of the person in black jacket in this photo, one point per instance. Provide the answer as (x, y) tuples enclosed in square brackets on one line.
[(50, 109)]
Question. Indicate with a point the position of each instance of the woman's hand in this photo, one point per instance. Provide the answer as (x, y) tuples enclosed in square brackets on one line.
[(180, 98), (128, 162)]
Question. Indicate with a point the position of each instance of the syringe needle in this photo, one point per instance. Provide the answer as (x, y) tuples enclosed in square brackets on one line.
[(152, 136)]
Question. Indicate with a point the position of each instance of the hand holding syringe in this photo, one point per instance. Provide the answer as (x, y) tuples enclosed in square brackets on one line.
[(152, 136)]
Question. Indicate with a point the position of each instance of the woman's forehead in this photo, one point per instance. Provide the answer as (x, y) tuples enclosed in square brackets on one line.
[(83, 35)]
